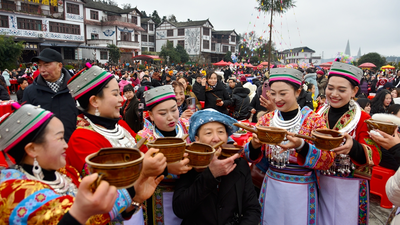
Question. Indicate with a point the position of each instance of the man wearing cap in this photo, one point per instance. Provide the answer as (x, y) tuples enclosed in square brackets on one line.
[(50, 91)]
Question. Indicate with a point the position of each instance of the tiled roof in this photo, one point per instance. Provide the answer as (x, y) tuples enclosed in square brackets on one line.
[(300, 49), (109, 8), (223, 32), (190, 23)]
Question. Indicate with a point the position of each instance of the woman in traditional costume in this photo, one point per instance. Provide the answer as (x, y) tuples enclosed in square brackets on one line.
[(289, 190), (99, 125), (344, 187), (223, 193), (40, 189), (164, 121)]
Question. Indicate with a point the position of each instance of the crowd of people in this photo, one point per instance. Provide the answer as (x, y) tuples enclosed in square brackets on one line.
[(63, 116)]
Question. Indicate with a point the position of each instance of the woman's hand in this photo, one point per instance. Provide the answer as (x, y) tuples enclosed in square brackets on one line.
[(267, 103), (294, 142), (187, 114), (88, 204), (180, 167), (153, 166), (255, 142), (220, 103), (145, 187), (344, 149), (222, 167), (387, 141)]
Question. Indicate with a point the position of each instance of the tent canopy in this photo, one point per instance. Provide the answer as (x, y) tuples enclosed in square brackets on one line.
[(146, 57)]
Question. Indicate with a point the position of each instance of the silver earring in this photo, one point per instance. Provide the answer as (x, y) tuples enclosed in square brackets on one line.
[(352, 104), (37, 170), (97, 113)]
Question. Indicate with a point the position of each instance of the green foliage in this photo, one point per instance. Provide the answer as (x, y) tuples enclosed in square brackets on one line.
[(182, 53), (279, 6), (254, 60), (143, 14), (169, 50), (142, 67), (374, 58), (10, 52), (254, 45), (156, 18), (228, 56), (115, 53), (172, 18), (68, 67), (149, 53), (126, 6)]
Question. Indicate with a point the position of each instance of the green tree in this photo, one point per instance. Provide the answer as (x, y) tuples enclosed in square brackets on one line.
[(114, 53), (172, 18), (254, 60), (374, 58), (144, 14), (182, 53), (156, 18), (228, 56), (169, 50), (126, 6), (10, 52), (253, 45), (273, 6)]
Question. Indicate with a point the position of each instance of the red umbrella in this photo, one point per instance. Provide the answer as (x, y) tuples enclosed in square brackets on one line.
[(249, 65), (326, 65), (221, 63), (264, 63), (367, 65)]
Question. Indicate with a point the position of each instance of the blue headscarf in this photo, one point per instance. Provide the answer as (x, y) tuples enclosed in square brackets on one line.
[(204, 116)]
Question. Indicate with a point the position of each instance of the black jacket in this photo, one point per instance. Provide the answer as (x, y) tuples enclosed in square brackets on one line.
[(155, 83), (210, 98), (305, 99), (61, 103), (241, 101), (132, 116), (199, 198), (20, 95), (142, 89), (255, 104), (4, 93), (197, 89)]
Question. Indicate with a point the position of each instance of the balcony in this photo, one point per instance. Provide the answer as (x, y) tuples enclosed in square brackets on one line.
[(9, 6), (99, 42), (128, 44), (119, 19)]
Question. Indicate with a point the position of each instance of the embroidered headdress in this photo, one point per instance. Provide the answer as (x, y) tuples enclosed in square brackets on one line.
[(286, 74), (347, 71), (159, 94)]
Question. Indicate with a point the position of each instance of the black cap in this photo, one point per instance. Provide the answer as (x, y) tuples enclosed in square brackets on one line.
[(48, 55)]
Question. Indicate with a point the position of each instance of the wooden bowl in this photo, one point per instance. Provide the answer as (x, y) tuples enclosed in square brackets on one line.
[(324, 139), (266, 135), (120, 167), (229, 150), (387, 127), (200, 155), (172, 148)]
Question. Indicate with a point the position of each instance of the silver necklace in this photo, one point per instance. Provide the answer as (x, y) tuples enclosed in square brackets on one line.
[(118, 137), (281, 160), (62, 185)]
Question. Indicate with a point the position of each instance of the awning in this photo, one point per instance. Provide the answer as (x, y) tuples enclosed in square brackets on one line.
[(146, 57)]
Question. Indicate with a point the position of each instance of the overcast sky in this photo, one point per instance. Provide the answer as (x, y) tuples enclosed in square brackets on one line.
[(322, 25)]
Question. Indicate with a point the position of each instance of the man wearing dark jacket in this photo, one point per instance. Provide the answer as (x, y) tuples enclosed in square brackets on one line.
[(305, 99), (49, 90), (198, 88), (241, 102), (231, 85)]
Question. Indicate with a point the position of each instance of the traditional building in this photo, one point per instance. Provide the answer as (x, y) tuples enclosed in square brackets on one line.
[(107, 24), (49, 24), (198, 38), (148, 35), (299, 55)]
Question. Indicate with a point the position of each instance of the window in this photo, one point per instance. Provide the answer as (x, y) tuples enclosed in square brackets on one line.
[(126, 36), (225, 48), (29, 24), (134, 20), (233, 38), (206, 31), (181, 43), (212, 46), (232, 49), (94, 15), (8, 5), (65, 28), (151, 38), (144, 38), (103, 55), (151, 50), (94, 36), (72, 8), (136, 38), (206, 44), (181, 32), (3, 21), (25, 7), (53, 9), (69, 53), (170, 33), (151, 27)]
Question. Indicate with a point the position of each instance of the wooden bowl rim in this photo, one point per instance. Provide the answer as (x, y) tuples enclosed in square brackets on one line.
[(270, 129), (131, 163), (201, 153), (324, 137)]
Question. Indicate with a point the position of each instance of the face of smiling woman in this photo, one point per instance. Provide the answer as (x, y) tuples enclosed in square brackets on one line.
[(339, 91), (284, 96)]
